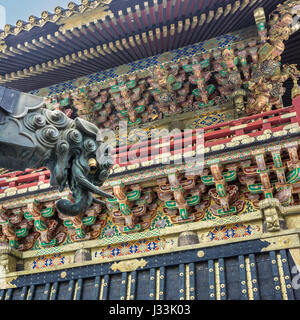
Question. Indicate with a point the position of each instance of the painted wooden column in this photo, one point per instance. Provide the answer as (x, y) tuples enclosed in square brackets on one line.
[(123, 287), (97, 288), (191, 295), (253, 272), (243, 279), (132, 286), (222, 279), (152, 284), (161, 294), (53, 293), (70, 293), (30, 292), (287, 275), (181, 279), (276, 277), (211, 280), (46, 291), (105, 287), (23, 293), (78, 289), (8, 295)]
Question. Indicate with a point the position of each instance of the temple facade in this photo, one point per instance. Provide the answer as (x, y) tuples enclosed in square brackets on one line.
[(200, 103)]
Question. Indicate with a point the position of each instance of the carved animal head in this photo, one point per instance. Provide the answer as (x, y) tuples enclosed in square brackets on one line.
[(82, 160), (32, 136)]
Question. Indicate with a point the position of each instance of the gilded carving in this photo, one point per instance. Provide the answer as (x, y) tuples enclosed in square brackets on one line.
[(128, 265), (77, 20)]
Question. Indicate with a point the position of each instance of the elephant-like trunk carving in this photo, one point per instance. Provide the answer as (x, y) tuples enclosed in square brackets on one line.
[(32, 136)]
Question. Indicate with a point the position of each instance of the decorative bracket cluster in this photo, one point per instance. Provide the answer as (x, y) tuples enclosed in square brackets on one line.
[(132, 210), (40, 221), (257, 178), (225, 196), (86, 226), (22, 226), (181, 196)]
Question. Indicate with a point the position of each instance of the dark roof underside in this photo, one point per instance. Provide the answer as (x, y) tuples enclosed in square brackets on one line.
[(157, 18)]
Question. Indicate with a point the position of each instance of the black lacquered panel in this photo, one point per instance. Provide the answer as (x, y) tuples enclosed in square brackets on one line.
[(202, 281), (142, 285), (115, 287), (88, 289), (172, 283), (232, 278), (62, 290), (265, 276)]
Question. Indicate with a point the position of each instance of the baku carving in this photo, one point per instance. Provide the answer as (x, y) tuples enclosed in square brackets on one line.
[(32, 136)]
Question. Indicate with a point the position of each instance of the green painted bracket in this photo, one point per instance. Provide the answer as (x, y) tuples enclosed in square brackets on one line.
[(69, 224), (293, 176), (80, 233), (47, 212), (116, 88), (98, 106), (183, 214), (261, 26), (131, 84), (13, 244), (40, 225), (137, 122), (205, 63), (220, 188), (191, 201), (223, 73), (133, 195), (255, 188), (125, 209), (188, 68), (22, 233), (89, 221), (228, 176), (64, 102), (139, 109), (171, 204), (202, 105), (177, 85), (136, 228), (210, 89), (221, 212), (51, 243), (28, 216)]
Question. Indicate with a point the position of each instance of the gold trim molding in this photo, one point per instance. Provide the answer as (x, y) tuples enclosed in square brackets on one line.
[(77, 20), (128, 265)]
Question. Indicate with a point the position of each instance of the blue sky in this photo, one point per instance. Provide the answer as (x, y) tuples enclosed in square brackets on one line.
[(22, 9)]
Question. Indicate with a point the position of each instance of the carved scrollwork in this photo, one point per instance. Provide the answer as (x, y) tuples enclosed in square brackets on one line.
[(48, 136), (89, 145), (56, 118), (34, 121), (73, 136)]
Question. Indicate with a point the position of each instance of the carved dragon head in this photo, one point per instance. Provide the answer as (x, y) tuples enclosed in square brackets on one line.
[(33, 136)]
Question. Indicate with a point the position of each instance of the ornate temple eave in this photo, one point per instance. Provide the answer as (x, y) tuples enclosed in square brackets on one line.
[(81, 57), (112, 54), (134, 12)]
